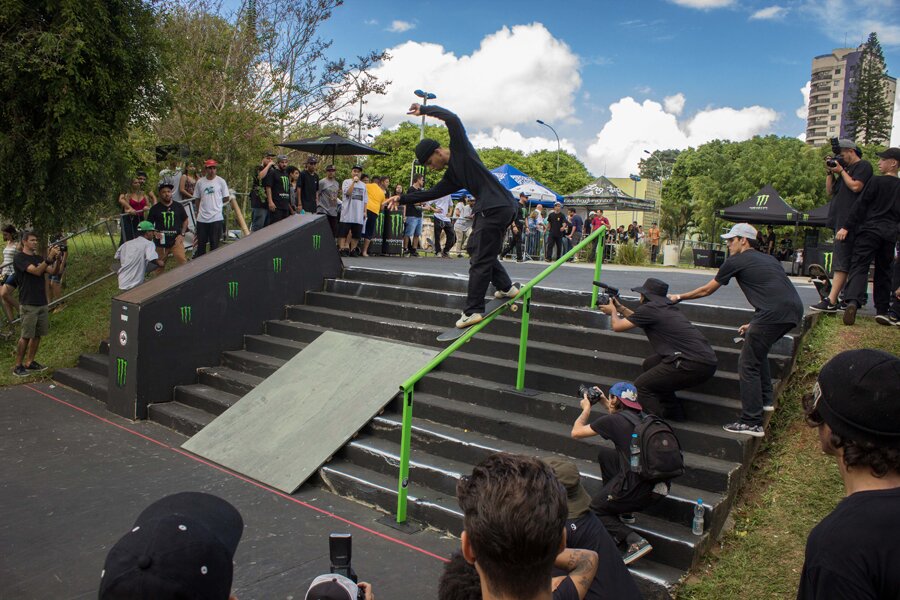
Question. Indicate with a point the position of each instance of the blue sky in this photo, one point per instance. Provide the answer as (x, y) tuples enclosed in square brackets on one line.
[(692, 69)]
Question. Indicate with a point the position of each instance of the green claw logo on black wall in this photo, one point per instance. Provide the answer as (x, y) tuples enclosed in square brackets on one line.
[(276, 265), (762, 200), (121, 371), (826, 258), (232, 289), (185, 314), (396, 224), (317, 241)]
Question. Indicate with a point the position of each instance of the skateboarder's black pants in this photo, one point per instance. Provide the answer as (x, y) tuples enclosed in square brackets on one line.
[(514, 242), (660, 380), (870, 247), (613, 500), (753, 369), (450, 240), (554, 241), (895, 283), (484, 245)]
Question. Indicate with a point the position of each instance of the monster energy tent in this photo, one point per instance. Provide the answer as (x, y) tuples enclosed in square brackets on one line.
[(765, 207), (604, 194)]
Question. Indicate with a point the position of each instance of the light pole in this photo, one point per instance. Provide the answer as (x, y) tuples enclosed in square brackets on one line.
[(661, 170), (635, 179), (425, 96), (557, 143)]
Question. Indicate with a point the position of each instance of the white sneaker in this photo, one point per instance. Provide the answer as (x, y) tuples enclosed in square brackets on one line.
[(468, 320), (512, 292)]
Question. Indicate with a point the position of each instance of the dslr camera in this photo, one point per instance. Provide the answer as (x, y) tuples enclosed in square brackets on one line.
[(609, 292), (340, 550), (835, 158), (594, 395)]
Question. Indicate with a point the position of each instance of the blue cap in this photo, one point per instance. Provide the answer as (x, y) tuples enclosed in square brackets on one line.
[(626, 393)]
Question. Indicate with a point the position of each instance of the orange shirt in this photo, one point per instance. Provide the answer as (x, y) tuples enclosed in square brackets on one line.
[(654, 236)]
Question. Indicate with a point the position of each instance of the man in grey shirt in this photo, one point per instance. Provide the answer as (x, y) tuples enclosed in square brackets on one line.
[(327, 198)]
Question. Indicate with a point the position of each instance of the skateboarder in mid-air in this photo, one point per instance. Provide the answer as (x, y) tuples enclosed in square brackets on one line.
[(494, 209)]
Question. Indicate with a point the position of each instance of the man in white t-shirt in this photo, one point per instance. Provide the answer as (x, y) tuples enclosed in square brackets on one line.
[(211, 194), (138, 257), (442, 211), (463, 224), (353, 212)]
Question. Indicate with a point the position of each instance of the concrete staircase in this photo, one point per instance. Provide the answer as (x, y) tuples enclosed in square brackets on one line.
[(469, 408)]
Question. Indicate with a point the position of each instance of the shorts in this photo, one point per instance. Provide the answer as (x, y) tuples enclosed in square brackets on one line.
[(352, 228), (55, 279), (842, 253), (11, 281), (35, 321), (371, 221), (413, 227)]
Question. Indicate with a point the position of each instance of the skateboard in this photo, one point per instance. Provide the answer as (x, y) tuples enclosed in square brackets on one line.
[(495, 305), (818, 276)]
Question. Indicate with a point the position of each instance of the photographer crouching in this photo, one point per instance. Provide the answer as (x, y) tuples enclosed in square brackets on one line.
[(682, 358)]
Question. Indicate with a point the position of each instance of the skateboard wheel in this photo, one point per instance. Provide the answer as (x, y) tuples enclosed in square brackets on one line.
[(514, 307)]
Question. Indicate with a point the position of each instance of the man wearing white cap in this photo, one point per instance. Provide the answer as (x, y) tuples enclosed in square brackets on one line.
[(778, 310)]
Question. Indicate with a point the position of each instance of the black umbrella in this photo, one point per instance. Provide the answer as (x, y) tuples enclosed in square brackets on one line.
[(332, 144)]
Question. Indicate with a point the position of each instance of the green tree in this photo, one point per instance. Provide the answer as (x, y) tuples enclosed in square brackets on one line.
[(659, 170), (571, 176), (75, 76), (868, 116), (399, 145)]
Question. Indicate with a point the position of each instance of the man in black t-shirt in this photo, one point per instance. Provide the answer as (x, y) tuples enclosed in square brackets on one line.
[(854, 552), (413, 226), (517, 229), (503, 491), (778, 310), (30, 269), (875, 222), (682, 357), (278, 191), (623, 491), (259, 205), (308, 186), (844, 182), (555, 222), (171, 221)]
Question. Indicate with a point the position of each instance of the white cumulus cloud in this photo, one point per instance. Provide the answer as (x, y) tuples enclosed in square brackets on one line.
[(703, 4), (803, 111), (515, 76), (674, 104), (769, 13), (401, 26), (509, 138), (880, 16), (634, 127)]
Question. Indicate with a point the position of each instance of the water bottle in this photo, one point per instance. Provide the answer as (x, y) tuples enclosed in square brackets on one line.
[(635, 453), (697, 526)]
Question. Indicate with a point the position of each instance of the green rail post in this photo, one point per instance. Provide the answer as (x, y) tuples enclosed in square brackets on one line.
[(405, 441), (523, 341), (598, 265)]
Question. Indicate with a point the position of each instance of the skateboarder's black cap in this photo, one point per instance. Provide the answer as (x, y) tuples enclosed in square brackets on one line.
[(653, 289), (424, 150), (890, 153)]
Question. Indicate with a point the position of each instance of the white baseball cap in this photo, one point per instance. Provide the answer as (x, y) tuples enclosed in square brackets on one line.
[(744, 230)]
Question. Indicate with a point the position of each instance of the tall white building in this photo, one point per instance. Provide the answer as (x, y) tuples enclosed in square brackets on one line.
[(832, 77)]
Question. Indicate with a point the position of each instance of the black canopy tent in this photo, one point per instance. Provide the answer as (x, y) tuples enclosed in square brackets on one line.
[(817, 217), (765, 207), (602, 193)]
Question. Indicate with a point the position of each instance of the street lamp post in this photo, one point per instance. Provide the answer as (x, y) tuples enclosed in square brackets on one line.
[(425, 96), (661, 170), (557, 143), (635, 179)]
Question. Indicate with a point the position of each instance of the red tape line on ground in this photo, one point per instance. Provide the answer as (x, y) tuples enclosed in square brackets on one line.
[(239, 476)]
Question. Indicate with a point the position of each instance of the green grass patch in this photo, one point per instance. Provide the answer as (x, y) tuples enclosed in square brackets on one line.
[(791, 486)]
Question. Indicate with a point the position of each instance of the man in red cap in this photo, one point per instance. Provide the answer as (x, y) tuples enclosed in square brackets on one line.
[(210, 196)]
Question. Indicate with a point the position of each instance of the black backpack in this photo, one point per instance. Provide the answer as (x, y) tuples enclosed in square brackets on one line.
[(661, 458)]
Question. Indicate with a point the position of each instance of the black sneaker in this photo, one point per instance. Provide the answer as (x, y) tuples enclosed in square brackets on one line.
[(842, 306), (35, 367), (21, 371), (889, 319), (850, 314), (344, 252), (825, 306), (356, 252), (636, 550), (627, 518), (754, 430)]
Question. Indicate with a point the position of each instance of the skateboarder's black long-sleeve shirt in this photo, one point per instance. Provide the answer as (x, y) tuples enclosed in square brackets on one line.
[(465, 170), (878, 208)]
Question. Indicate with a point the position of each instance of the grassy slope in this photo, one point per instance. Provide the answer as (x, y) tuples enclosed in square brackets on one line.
[(792, 485)]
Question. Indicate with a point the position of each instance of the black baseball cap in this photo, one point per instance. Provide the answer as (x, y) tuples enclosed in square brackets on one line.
[(181, 546), (890, 153), (330, 168), (312, 160), (424, 150), (165, 184), (858, 396)]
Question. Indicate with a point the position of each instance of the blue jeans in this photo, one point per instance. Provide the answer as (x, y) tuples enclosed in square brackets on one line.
[(413, 227), (259, 218)]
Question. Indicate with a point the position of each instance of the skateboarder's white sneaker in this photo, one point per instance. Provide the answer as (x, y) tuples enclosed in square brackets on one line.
[(468, 320), (512, 292)]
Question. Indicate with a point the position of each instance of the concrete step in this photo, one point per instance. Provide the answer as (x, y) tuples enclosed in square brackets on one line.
[(96, 363), (228, 380), (180, 417), (254, 363), (206, 398), (271, 345), (87, 382)]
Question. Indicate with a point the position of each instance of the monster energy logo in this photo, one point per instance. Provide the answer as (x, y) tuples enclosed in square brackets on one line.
[(317, 241), (232, 289), (827, 256), (285, 183), (396, 223), (762, 200), (276, 265), (185, 314), (121, 371), (379, 224), (168, 218)]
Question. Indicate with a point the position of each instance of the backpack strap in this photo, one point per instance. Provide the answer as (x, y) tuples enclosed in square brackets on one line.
[(635, 419)]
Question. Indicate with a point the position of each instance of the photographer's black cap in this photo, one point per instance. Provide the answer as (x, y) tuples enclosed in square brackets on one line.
[(860, 396), (890, 153), (424, 150), (181, 546), (653, 288)]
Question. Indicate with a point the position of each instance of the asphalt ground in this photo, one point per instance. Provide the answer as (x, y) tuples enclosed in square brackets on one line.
[(73, 477)]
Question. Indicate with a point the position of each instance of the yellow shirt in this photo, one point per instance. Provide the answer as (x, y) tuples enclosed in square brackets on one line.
[(376, 197)]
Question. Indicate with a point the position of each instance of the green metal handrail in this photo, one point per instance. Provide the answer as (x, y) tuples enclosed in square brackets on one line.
[(524, 296)]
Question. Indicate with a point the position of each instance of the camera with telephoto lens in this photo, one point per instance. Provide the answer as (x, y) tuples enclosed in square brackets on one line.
[(835, 159), (340, 552), (609, 292), (594, 395), (63, 247)]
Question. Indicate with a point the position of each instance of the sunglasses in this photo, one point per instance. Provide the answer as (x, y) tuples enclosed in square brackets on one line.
[(811, 406)]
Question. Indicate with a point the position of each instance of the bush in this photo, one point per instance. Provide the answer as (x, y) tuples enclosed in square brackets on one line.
[(632, 254)]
